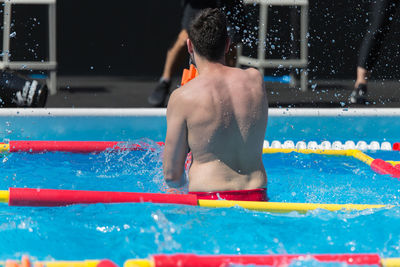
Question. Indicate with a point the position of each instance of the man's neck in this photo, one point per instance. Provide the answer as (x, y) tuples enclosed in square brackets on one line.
[(205, 66)]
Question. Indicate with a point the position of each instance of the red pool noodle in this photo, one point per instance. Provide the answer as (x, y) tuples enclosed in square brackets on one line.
[(70, 146), (106, 263), (65, 146), (271, 260), (58, 197), (382, 167)]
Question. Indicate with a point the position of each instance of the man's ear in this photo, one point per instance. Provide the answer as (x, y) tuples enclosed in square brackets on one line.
[(189, 46), (227, 45)]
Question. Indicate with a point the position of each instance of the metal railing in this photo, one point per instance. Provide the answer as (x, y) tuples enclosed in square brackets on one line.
[(261, 62), (49, 65)]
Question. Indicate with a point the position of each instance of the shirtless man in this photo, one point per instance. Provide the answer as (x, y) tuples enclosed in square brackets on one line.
[(221, 117)]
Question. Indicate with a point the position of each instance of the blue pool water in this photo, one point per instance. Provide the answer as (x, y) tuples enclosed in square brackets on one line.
[(122, 231), (132, 128)]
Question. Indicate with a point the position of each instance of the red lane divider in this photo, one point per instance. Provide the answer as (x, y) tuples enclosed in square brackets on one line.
[(382, 167), (271, 260), (59, 197), (72, 146), (396, 146)]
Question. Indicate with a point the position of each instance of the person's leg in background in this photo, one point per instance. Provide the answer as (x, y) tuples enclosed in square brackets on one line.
[(190, 9), (160, 93), (382, 15)]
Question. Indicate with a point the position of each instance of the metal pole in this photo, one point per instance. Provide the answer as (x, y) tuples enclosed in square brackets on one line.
[(262, 35), (239, 50), (304, 46), (52, 47), (6, 32), (294, 42)]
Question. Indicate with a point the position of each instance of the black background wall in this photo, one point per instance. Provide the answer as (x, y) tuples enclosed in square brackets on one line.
[(132, 37)]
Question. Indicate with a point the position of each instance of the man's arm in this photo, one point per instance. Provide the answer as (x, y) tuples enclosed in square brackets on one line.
[(176, 144)]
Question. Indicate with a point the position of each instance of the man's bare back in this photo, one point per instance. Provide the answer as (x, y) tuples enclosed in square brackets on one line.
[(220, 116), (226, 111)]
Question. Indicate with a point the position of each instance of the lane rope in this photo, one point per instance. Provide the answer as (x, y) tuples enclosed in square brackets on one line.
[(336, 145)]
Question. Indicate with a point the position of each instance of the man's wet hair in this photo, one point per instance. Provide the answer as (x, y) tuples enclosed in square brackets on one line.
[(208, 34)]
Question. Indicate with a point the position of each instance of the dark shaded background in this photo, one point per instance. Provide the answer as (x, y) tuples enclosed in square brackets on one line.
[(131, 37)]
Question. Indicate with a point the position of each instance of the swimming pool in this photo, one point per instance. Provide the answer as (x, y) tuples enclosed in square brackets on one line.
[(122, 231)]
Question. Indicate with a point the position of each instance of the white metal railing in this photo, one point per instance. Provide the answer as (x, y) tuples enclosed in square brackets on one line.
[(49, 65), (129, 112), (261, 62)]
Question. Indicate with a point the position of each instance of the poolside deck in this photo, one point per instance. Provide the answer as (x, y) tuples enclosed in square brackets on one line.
[(127, 92)]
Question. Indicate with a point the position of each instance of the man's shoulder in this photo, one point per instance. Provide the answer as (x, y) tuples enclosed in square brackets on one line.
[(182, 96), (185, 92), (246, 74), (176, 97), (254, 73)]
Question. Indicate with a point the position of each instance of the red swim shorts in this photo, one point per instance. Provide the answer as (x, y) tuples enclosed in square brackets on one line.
[(259, 194)]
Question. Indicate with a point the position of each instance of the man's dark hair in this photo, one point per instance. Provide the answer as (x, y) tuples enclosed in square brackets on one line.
[(208, 34)]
